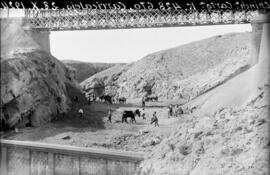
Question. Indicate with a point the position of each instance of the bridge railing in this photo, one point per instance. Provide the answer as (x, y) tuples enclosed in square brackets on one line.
[(24, 158)]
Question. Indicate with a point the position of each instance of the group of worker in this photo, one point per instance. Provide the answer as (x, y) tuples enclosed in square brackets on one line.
[(175, 111)]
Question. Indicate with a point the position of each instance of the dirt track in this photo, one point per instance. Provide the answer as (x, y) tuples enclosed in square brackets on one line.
[(95, 131)]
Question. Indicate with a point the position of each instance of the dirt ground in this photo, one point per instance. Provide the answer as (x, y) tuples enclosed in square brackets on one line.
[(93, 130)]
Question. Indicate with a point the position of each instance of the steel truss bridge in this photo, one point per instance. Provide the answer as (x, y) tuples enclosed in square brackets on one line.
[(58, 20)]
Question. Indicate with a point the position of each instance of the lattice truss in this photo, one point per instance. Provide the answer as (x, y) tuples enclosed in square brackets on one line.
[(106, 19)]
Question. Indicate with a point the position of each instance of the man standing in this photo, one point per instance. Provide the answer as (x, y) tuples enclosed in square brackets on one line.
[(179, 111), (143, 102), (143, 114), (81, 112), (155, 119), (110, 115), (89, 100), (170, 111), (175, 109), (76, 99)]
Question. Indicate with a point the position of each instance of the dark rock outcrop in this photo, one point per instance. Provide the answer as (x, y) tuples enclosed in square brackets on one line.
[(35, 86)]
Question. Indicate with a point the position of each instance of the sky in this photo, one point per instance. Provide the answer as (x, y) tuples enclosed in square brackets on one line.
[(128, 45)]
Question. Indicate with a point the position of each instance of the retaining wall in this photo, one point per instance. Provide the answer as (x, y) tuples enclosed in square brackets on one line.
[(31, 158)]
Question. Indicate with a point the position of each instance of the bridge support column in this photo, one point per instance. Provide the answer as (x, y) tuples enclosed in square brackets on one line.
[(46, 40), (40, 37), (17, 34), (256, 36)]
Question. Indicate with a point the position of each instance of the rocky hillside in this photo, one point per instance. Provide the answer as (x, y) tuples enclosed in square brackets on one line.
[(182, 73), (85, 70), (231, 141), (229, 132), (35, 86)]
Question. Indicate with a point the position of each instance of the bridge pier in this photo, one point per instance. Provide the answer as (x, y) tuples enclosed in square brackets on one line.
[(256, 36), (16, 34)]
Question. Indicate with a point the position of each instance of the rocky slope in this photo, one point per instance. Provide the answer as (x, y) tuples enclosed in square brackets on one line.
[(231, 141), (180, 73), (85, 70), (229, 132), (35, 86)]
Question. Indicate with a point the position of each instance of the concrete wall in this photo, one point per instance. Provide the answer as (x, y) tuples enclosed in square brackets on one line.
[(25, 158), (257, 27), (255, 42)]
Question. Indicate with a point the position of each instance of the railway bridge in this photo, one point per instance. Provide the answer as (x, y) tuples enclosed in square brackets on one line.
[(39, 23)]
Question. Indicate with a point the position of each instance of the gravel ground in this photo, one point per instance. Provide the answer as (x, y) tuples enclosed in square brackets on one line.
[(95, 131)]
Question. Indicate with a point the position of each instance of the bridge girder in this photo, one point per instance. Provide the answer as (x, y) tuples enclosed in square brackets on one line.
[(58, 20)]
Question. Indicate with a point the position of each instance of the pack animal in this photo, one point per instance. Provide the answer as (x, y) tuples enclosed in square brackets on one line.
[(106, 98), (131, 115), (151, 98), (122, 100)]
